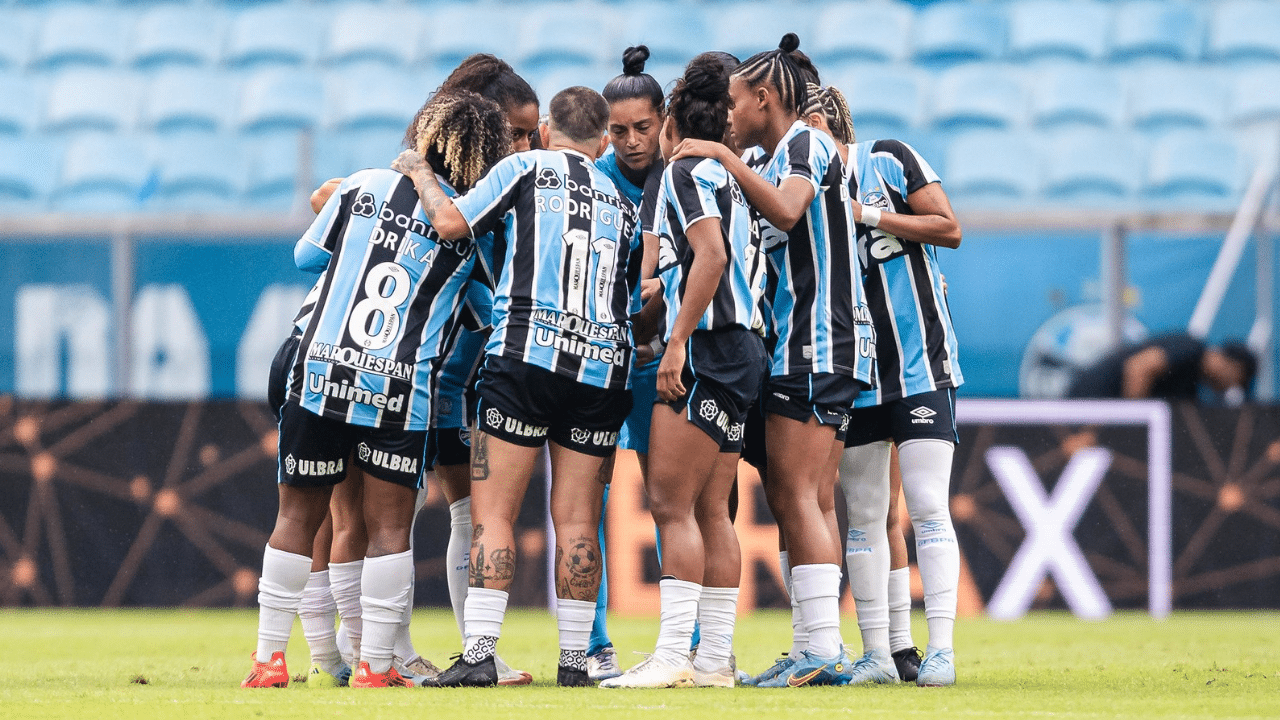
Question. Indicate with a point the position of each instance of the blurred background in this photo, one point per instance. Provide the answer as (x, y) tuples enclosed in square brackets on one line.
[(1113, 164)]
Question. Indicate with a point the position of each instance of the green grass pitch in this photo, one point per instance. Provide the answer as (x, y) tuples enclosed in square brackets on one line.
[(87, 664)]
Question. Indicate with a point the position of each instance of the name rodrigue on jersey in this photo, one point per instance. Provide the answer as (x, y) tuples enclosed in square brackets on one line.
[(352, 358), (572, 334), (344, 390)]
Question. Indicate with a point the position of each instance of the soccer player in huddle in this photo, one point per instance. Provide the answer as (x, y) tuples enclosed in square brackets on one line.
[(334, 586), (712, 271), (825, 344), (633, 161), (902, 215), (556, 367), (358, 399)]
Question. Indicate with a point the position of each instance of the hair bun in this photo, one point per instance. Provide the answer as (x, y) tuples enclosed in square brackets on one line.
[(633, 59), (790, 43), (706, 78)]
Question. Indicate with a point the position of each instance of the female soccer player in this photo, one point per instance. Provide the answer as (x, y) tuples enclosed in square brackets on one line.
[(825, 353), (632, 161), (712, 272), (448, 441), (358, 386), (902, 214)]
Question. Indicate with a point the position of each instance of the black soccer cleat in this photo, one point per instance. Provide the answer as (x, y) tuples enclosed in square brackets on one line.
[(463, 674), (573, 677), (908, 663)]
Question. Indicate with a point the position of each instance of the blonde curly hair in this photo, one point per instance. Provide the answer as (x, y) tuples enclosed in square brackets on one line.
[(461, 134)]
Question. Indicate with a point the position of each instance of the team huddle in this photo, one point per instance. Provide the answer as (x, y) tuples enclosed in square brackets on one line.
[(707, 275)]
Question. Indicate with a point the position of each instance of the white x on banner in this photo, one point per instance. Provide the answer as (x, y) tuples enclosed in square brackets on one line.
[(1049, 548), (1048, 526)]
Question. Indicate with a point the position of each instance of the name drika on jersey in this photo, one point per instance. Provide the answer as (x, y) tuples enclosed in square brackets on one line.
[(317, 383), (352, 358), (403, 242)]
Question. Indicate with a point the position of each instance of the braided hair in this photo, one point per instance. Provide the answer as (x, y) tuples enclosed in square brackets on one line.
[(462, 134), (780, 69), (830, 103), (699, 103), (634, 82)]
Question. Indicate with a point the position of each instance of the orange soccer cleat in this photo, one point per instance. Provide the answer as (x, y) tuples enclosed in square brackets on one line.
[(365, 678), (272, 674)]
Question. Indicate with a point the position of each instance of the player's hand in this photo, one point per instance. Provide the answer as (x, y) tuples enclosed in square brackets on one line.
[(649, 288), (691, 147), (670, 369), (410, 162), (944, 283), (322, 193)]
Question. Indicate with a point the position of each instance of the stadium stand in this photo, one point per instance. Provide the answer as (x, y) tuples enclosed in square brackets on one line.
[(274, 34), (553, 37), (104, 173), (28, 173), (371, 97), (992, 168), (1071, 29), (177, 35), (454, 31), (388, 34), (1163, 29), (1255, 96), (1091, 166), (17, 30), (20, 110), (979, 95), (197, 172), (185, 98), (80, 35), (1176, 96), (1077, 94), (281, 99), (861, 32), (952, 32), (747, 28), (1246, 30), (92, 99), (1196, 166), (890, 97), (667, 30)]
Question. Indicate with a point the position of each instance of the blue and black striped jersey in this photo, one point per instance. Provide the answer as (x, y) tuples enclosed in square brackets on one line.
[(694, 189), (568, 262), (387, 304), (915, 341), (456, 367), (819, 311)]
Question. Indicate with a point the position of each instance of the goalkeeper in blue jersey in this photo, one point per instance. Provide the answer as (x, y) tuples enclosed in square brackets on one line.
[(358, 388), (902, 216)]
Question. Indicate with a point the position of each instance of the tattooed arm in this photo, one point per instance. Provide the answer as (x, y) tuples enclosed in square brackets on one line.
[(440, 210)]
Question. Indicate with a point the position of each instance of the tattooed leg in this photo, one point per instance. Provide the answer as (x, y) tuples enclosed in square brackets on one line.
[(576, 493), (500, 473)]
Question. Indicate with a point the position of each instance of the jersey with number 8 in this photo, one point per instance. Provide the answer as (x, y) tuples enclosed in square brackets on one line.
[(386, 306)]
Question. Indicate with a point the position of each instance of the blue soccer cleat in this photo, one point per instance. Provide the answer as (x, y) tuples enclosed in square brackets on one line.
[(874, 668), (780, 666), (938, 668), (811, 669)]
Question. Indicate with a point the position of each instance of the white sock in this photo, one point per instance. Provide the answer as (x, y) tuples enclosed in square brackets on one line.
[(404, 642), (344, 583), (457, 557), (384, 596), (900, 609), (864, 478), (817, 590), (926, 477), (799, 637), (574, 619), (679, 614), (486, 609), (717, 612), (319, 613), (284, 577), (345, 649)]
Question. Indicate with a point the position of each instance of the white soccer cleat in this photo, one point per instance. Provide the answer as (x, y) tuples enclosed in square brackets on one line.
[(875, 667), (603, 665), (652, 673), (723, 677)]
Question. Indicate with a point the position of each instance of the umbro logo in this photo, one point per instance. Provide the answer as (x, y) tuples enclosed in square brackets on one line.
[(923, 415)]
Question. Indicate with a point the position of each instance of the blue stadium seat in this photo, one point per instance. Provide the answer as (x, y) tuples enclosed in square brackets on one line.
[(338, 154), (103, 173), (1077, 93), (1074, 29), (280, 99), (1256, 95), (950, 32), (271, 172), (747, 28), (178, 35), (97, 99), (1195, 166), (979, 95), (557, 36), (1091, 166), (884, 96), (1175, 95), (1245, 30), (861, 31), (28, 169), (547, 84), (990, 168), (454, 31), (284, 34), (373, 33), (673, 33), (80, 35), (1165, 29), (17, 35), (373, 97), (20, 109), (197, 172), (183, 98)]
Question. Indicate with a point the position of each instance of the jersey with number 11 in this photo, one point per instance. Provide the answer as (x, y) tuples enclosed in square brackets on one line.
[(386, 307)]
